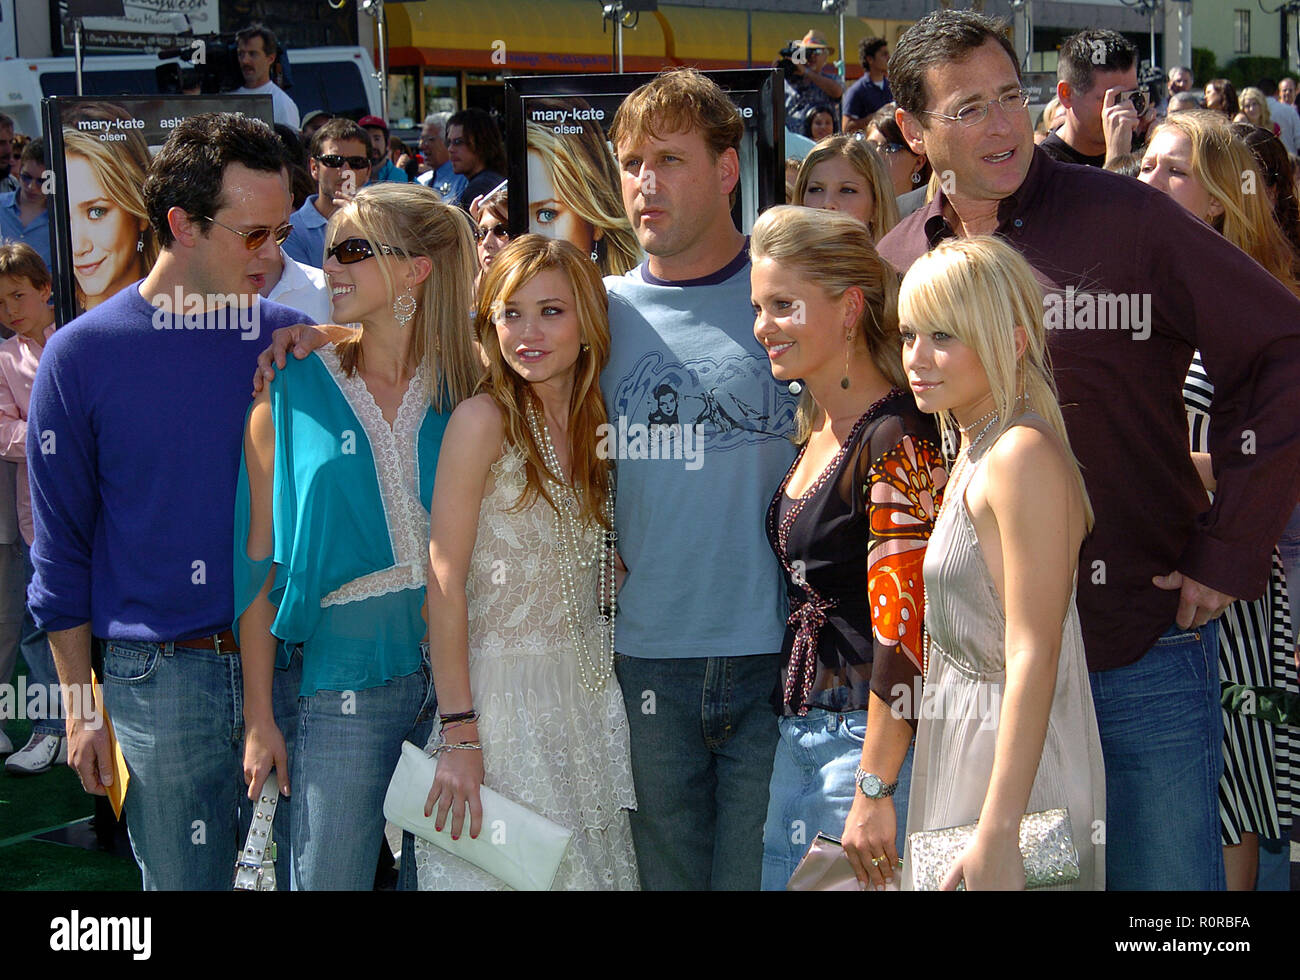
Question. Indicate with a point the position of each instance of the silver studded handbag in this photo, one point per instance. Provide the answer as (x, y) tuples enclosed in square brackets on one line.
[(1045, 844), (255, 864)]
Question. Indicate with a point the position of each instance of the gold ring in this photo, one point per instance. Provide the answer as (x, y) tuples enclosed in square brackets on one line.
[(875, 862), (882, 859)]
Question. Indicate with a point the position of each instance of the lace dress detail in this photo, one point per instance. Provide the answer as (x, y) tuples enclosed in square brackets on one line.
[(548, 743), (394, 451)]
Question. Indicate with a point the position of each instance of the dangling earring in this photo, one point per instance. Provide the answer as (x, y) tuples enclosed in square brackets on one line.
[(404, 308), (595, 253), (844, 381), (139, 243), (916, 176)]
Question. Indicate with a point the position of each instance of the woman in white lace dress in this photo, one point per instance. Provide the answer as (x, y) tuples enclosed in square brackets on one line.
[(522, 580)]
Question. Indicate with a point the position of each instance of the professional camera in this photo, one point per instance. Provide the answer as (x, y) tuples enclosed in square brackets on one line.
[(215, 58), (786, 63)]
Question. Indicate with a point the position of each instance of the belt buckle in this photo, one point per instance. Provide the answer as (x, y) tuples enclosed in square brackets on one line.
[(216, 643)]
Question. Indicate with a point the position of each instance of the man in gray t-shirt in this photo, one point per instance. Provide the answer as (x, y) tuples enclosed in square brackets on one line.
[(700, 432)]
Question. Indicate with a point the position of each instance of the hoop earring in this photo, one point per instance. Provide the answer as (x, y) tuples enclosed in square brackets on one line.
[(404, 308)]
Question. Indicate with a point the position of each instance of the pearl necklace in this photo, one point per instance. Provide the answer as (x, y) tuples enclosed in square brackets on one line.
[(592, 673)]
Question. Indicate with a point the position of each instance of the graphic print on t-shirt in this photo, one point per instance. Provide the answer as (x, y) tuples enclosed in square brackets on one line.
[(707, 403)]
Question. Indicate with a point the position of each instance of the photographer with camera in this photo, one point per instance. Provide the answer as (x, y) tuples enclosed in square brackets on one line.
[(1097, 83), (810, 82)]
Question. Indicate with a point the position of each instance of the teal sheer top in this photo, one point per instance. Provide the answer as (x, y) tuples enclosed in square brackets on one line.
[(350, 522)]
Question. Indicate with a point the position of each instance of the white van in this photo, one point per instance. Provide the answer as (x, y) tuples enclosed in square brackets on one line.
[(340, 80)]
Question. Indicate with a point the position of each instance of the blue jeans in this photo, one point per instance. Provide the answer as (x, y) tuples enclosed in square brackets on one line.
[(1162, 742), (812, 788), (40, 662), (1289, 546), (702, 744), (178, 715), (348, 746)]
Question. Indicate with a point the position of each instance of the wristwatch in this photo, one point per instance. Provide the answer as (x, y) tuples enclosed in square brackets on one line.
[(872, 786)]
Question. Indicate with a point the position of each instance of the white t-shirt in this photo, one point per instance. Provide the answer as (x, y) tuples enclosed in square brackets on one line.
[(1288, 122), (302, 287), (284, 108)]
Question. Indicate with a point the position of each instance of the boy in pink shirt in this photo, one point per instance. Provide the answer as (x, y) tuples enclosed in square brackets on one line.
[(25, 309)]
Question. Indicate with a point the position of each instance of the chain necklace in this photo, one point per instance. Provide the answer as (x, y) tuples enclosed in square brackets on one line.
[(592, 673)]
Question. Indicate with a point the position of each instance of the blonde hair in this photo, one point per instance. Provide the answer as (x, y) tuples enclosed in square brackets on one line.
[(517, 264), (409, 219), (835, 251), (1220, 162), (1044, 124), (1265, 120), (586, 178), (978, 290), (868, 163), (120, 167)]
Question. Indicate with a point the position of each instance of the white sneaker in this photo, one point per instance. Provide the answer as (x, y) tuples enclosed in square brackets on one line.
[(40, 752), (6, 746)]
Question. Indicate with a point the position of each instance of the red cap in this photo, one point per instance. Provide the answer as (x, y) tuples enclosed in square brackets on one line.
[(365, 122)]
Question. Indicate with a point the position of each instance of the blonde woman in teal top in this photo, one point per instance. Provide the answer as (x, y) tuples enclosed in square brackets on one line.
[(332, 525)]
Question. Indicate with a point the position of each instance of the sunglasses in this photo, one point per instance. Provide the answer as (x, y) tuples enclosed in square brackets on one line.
[(500, 231), (352, 250), (336, 161), (255, 239)]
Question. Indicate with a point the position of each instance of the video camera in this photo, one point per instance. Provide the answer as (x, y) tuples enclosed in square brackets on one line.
[(786, 62), (212, 61)]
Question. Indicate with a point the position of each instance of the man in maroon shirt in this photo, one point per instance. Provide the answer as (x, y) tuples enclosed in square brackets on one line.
[(1132, 286)]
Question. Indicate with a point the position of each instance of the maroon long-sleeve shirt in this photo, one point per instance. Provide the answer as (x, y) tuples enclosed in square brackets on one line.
[(1091, 237)]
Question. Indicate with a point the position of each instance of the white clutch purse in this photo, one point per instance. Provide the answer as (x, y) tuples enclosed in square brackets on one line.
[(522, 848)]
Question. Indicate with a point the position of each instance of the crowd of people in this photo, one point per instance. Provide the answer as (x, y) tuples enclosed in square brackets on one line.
[(960, 493)]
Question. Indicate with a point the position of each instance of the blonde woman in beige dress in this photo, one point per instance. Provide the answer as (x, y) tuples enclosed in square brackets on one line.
[(1007, 725)]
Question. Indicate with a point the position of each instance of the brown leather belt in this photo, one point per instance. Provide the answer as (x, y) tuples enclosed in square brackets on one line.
[(219, 643)]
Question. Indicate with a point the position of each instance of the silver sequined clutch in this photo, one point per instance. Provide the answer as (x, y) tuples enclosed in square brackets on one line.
[(1045, 844)]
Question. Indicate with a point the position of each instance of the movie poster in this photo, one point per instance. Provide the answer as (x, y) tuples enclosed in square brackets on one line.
[(99, 154), (557, 133)]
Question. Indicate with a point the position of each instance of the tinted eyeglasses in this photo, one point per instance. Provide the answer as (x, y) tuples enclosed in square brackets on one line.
[(255, 239), (499, 230), (336, 161), (352, 250)]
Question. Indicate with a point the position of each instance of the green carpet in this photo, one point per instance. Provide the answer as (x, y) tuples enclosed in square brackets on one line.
[(34, 803)]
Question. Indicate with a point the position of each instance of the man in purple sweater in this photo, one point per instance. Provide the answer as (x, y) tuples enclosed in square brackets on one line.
[(135, 432)]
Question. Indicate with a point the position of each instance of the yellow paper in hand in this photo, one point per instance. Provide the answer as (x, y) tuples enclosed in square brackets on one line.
[(116, 792)]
